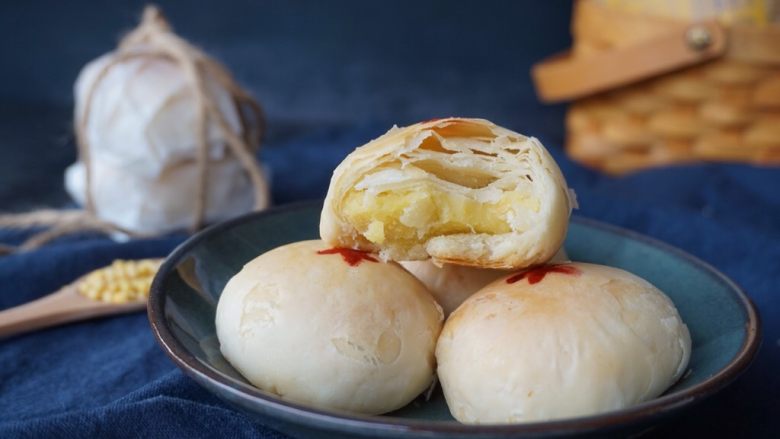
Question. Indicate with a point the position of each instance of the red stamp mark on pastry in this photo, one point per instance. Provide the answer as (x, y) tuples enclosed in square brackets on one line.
[(535, 275), (350, 256)]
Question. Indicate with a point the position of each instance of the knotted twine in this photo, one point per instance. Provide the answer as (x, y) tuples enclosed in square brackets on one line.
[(154, 38)]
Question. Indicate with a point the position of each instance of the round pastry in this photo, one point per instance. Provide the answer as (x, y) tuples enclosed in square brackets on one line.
[(332, 328), (560, 341), (456, 190), (451, 284)]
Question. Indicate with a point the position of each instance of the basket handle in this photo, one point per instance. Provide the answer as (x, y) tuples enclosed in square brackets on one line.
[(564, 76)]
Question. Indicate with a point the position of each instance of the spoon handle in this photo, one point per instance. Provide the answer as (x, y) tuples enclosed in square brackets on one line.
[(63, 306)]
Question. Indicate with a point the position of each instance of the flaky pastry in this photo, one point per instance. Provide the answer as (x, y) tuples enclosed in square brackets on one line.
[(464, 191), (451, 284), (330, 328), (560, 341)]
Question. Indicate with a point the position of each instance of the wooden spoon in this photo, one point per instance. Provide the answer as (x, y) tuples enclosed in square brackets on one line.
[(63, 306)]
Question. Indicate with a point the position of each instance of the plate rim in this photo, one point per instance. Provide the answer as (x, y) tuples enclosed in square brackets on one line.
[(343, 421)]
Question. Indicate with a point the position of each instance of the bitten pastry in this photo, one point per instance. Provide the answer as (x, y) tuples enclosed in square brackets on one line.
[(560, 341), (332, 328), (456, 190), (451, 284)]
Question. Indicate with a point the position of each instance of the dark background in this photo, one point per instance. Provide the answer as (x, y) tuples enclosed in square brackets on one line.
[(314, 65), (331, 76)]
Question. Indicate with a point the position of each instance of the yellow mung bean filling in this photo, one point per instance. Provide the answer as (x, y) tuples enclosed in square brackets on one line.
[(404, 217), (123, 281)]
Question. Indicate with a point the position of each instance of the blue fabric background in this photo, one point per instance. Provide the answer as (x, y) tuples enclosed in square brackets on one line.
[(332, 75)]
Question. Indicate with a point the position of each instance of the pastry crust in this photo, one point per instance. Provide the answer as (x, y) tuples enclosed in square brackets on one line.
[(451, 284), (557, 342), (497, 197), (328, 329)]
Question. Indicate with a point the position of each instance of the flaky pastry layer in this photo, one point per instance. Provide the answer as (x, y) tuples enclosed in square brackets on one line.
[(463, 191)]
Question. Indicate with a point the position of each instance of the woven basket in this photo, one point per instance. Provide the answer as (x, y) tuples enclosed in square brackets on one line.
[(649, 91)]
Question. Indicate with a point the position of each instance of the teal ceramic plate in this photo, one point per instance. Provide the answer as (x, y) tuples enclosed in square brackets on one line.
[(722, 320)]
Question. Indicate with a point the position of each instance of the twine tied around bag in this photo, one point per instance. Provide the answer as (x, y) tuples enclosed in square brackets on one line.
[(154, 38)]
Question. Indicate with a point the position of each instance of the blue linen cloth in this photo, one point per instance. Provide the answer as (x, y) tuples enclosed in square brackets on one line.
[(108, 378)]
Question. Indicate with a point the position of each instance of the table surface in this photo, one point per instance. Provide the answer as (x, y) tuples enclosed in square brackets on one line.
[(331, 75)]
